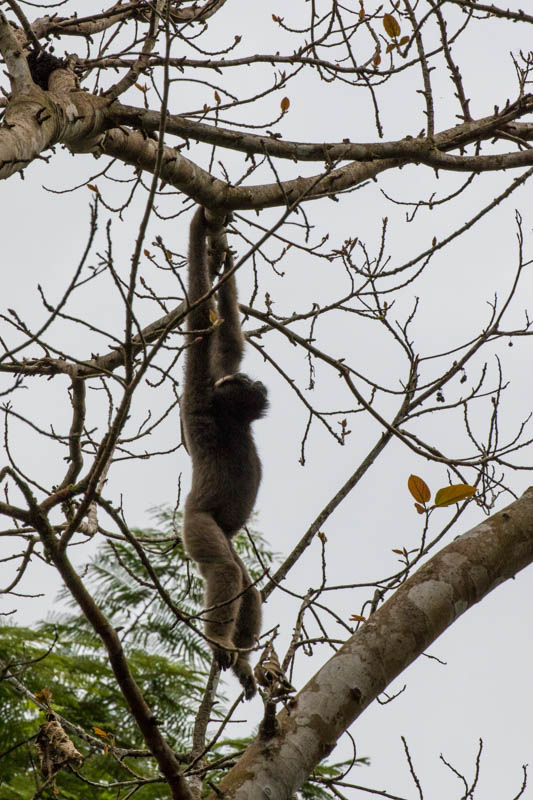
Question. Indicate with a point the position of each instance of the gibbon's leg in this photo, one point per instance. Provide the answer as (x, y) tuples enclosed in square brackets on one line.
[(210, 548), (247, 628)]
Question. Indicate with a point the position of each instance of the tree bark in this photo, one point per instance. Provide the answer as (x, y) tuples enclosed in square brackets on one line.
[(446, 586)]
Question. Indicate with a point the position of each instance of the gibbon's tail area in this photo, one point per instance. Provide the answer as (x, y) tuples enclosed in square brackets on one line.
[(219, 404)]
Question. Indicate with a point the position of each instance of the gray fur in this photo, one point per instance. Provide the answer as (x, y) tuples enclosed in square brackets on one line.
[(218, 406)]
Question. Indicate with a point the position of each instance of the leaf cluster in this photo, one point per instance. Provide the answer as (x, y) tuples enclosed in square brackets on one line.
[(63, 655)]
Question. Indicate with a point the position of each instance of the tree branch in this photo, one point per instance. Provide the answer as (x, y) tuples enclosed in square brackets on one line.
[(139, 708), (421, 609), (410, 148)]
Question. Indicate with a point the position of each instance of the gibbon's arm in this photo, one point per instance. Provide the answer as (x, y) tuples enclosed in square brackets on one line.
[(197, 369), (199, 282), (228, 345)]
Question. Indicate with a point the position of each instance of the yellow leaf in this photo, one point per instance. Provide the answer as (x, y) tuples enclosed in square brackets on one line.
[(213, 317), (99, 731), (391, 25), (420, 509), (285, 103), (357, 618), (454, 494), (419, 489)]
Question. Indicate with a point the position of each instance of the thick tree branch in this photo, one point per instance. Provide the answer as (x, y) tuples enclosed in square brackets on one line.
[(83, 26), (35, 120), (412, 149), (425, 605), (11, 50), (92, 24), (133, 148)]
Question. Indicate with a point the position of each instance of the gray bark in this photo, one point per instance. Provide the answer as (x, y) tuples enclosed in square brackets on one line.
[(450, 583)]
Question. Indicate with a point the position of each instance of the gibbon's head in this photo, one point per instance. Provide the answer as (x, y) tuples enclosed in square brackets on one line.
[(240, 397)]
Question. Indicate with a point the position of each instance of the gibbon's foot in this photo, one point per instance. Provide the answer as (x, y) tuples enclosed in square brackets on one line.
[(223, 657), (243, 672)]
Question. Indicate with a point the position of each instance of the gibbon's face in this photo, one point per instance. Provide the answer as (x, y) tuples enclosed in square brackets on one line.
[(242, 380), (240, 396)]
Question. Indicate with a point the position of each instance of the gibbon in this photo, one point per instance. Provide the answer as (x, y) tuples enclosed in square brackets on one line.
[(218, 406)]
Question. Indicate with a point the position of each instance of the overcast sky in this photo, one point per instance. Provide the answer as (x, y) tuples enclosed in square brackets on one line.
[(483, 688)]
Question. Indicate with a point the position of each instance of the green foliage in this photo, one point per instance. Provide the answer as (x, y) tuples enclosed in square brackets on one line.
[(63, 655), (84, 691), (169, 661)]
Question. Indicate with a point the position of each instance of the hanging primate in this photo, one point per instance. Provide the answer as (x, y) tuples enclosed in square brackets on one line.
[(218, 406)]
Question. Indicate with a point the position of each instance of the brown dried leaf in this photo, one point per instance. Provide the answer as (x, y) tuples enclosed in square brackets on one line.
[(44, 696), (419, 489), (391, 25), (285, 103)]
